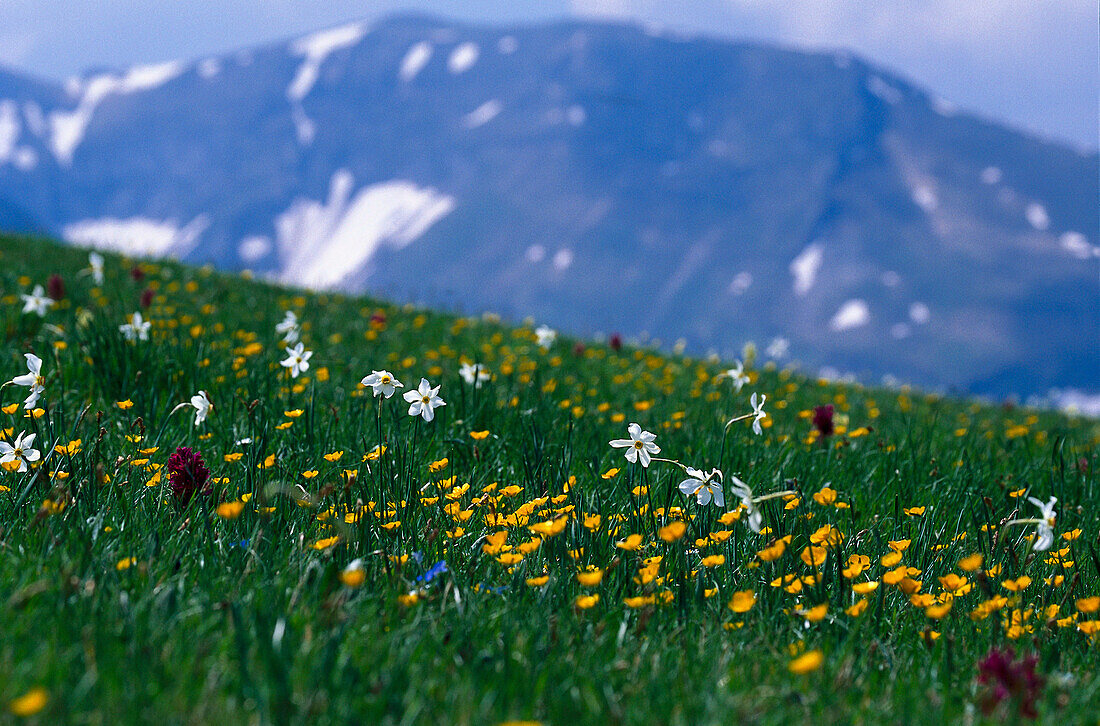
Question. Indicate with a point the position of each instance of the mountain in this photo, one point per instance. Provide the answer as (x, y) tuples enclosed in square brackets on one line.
[(598, 177)]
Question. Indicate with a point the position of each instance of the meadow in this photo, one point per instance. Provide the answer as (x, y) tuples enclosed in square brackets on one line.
[(211, 526)]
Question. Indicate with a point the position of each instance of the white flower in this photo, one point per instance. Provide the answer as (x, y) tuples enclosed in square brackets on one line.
[(136, 329), (32, 379), (288, 328), (383, 383), (737, 375), (21, 451), (704, 487), (758, 412), (742, 491), (545, 336), (297, 359), (424, 400), (202, 405), (1045, 528), (95, 262), (474, 374), (36, 302), (639, 446)]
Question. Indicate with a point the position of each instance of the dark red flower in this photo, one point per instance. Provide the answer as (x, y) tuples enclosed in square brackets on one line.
[(378, 318), (578, 349), (146, 297), (188, 475), (1004, 678), (137, 273), (55, 287), (823, 420), (616, 341)]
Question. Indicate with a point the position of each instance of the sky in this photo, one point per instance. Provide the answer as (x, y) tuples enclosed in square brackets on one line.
[(1031, 63)]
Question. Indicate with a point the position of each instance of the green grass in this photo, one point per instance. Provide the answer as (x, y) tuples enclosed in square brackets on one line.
[(250, 620)]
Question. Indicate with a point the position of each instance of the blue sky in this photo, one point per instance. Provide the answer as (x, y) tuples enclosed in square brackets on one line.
[(1032, 63)]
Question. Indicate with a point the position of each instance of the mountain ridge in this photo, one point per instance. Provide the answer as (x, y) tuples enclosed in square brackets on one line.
[(741, 191)]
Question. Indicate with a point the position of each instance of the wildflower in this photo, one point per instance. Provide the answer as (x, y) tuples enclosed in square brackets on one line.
[(29, 703), (136, 329), (146, 298), (353, 575), (21, 451), (188, 475), (288, 328), (545, 336), (1045, 526), (807, 662), (95, 264), (757, 412), (742, 491), (424, 400), (36, 301), (704, 487), (202, 405), (823, 420), (742, 601), (383, 383), (55, 287), (32, 379), (297, 359), (474, 374), (639, 446), (1006, 678), (737, 375)]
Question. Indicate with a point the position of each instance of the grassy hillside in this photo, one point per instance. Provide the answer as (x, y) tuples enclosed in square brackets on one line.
[(345, 562)]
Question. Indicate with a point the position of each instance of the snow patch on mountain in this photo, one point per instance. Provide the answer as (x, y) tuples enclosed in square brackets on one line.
[(463, 57), (139, 236), (321, 243), (67, 127), (483, 114), (883, 90), (414, 61), (852, 314), (804, 268), (315, 48), (209, 67)]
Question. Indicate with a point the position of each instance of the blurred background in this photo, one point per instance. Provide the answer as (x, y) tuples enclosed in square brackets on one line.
[(892, 191)]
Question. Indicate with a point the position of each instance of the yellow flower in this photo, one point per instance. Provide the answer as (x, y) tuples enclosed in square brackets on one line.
[(742, 601), (230, 458), (334, 456), (324, 544), (1017, 585), (125, 405), (310, 474), (125, 563), (537, 581), (914, 511), (1088, 604), (438, 465), (30, 702), (375, 453), (714, 561), (971, 563), (631, 543), (864, 588), (610, 473), (672, 531), (857, 609), (479, 435), (807, 662), (825, 496), (590, 577), (816, 613), (583, 602), (353, 575), (230, 510), (293, 414)]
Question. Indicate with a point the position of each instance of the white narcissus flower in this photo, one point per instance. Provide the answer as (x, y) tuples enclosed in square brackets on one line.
[(297, 359), (288, 328), (424, 400), (742, 491), (136, 329), (704, 486), (36, 301), (383, 383), (474, 374), (758, 412), (639, 447), (32, 379), (95, 262), (21, 451), (1045, 528), (545, 336), (737, 375), (202, 405)]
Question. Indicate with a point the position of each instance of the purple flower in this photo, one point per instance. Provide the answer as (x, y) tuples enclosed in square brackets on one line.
[(1004, 678), (188, 475), (55, 287), (823, 420)]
